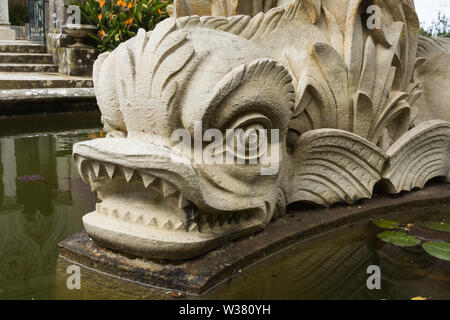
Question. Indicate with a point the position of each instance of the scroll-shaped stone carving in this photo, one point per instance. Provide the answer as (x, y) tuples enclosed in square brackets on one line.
[(420, 155), (338, 93), (334, 166)]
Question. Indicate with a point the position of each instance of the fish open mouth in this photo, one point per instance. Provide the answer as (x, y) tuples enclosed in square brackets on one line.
[(144, 212)]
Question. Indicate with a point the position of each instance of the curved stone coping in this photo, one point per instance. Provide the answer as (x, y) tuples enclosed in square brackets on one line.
[(198, 276), (50, 100)]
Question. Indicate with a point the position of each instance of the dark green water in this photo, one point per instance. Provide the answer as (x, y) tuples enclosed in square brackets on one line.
[(42, 198), (42, 201)]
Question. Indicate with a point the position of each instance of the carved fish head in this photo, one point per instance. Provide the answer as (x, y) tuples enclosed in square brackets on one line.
[(335, 93), (152, 88)]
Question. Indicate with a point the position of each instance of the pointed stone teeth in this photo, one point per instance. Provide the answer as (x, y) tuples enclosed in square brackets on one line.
[(152, 222), (147, 179), (168, 225), (180, 226), (193, 227), (110, 168), (182, 201), (139, 219), (79, 161), (167, 188), (96, 167), (127, 216), (116, 213), (128, 173)]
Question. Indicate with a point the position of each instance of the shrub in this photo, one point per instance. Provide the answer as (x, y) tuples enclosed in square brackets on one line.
[(18, 14), (119, 20), (438, 28)]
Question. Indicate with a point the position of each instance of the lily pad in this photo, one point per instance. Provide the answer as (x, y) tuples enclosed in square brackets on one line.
[(437, 226), (440, 250), (386, 224), (400, 239)]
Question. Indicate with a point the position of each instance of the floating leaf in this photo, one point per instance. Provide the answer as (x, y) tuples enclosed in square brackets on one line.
[(400, 239), (386, 224), (437, 226), (440, 250)]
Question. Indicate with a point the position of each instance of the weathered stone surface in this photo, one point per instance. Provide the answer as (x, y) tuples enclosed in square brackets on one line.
[(23, 80), (19, 57), (21, 47), (6, 33), (77, 61), (197, 276), (340, 94), (53, 100), (26, 67), (433, 73)]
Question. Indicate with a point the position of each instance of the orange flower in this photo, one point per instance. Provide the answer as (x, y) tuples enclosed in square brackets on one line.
[(130, 5), (102, 33), (129, 21), (100, 16), (101, 3), (119, 3), (159, 11)]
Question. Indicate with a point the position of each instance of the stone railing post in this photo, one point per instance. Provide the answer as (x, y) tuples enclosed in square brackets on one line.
[(6, 33)]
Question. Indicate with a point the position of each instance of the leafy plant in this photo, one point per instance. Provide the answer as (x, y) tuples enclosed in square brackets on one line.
[(439, 27), (386, 224), (400, 239), (438, 226), (440, 250), (411, 235), (18, 14), (119, 20)]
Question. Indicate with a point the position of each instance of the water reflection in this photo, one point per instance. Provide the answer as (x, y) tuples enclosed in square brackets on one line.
[(42, 200)]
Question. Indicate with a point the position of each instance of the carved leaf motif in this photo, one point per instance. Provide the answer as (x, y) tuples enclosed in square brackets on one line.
[(335, 72), (334, 166), (354, 42)]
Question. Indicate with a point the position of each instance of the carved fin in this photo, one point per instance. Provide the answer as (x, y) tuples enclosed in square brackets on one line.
[(419, 155), (333, 166)]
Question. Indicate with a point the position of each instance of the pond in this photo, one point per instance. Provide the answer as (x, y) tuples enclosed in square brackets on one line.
[(42, 201)]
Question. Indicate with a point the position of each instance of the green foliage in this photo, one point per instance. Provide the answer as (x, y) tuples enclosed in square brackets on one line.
[(439, 27), (386, 224), (440, 250), (410, 236), (18, 14), (119, 20), (438, 226), (400, 239)]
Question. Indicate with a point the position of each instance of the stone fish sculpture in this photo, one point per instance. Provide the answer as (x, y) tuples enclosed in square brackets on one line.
[(341, 95)]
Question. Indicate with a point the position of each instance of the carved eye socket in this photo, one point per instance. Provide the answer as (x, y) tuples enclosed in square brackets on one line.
[(248, 137)]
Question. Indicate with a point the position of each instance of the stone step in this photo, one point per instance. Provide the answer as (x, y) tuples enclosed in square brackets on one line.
[(37, 101), (22, 67), (21, 47), (25, 80), (33, 58)]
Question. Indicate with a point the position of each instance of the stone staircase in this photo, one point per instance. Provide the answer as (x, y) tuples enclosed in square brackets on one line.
[(30, 82)]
